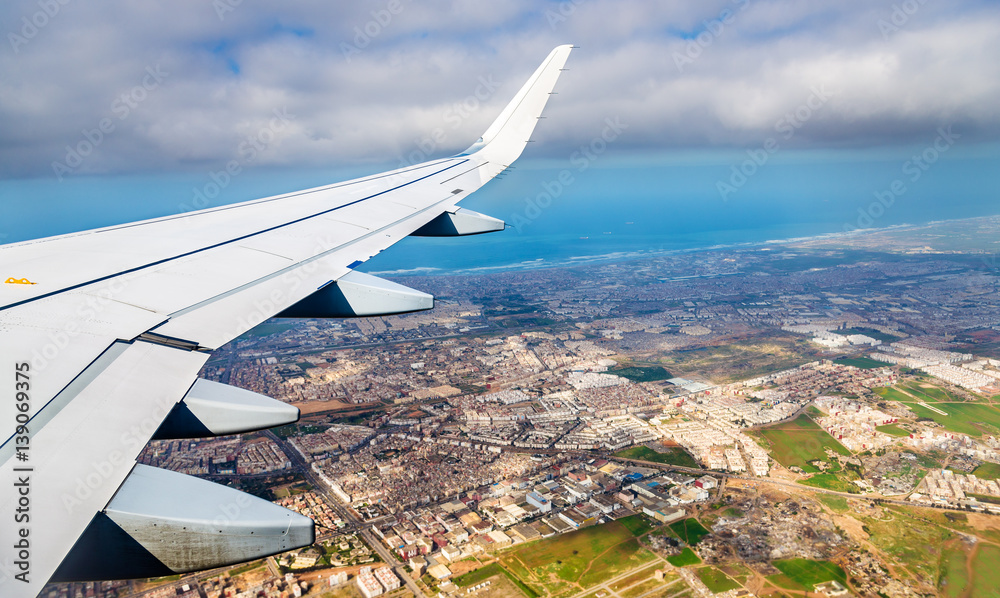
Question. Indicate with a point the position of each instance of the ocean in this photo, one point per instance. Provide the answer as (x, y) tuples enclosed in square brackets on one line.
[(562, 212)]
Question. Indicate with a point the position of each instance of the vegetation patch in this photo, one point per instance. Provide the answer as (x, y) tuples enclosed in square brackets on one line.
[(864, 363), (893, 394), (836, 503), (686, 558), (800, 441), (972, 419), (988, 471), (716, 580), (671, 456), (588, 556), (986, 565), (830, 481), (268, 328), (636, 524), (479, 575), (689, 530), (807, 573), (954, 578), (643, 374), (893, 430)]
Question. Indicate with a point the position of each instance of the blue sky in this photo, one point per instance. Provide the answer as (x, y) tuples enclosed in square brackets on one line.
[(729, 113)]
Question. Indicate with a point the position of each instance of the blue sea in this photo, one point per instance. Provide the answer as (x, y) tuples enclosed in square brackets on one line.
[(564, 211)]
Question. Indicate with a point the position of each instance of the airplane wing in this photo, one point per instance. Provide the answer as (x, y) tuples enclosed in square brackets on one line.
[(103, 333)]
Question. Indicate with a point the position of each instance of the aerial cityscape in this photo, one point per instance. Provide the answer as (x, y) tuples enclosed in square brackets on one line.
[(737, 333), (812, 416)]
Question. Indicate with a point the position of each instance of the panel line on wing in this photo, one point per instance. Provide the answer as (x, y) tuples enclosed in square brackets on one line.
[(63, 397), (302, 263), (227, 242)]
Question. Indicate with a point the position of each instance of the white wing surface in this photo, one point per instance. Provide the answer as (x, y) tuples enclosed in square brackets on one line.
[(103, 332)]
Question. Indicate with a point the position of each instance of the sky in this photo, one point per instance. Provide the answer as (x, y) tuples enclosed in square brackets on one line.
[(782, 116)]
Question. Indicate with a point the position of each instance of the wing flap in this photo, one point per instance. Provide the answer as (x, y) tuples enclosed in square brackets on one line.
[(70, 475)]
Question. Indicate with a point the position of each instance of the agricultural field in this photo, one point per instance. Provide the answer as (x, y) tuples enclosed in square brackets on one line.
[(838, 504), (636, 524), (988, 471), (893, 394), (864, 363), (689, 530), (892, 430), (986, 568), (829, 481), (929, 392), (973, 419), (576, 560), (671, 456), (954, 579), (716, 580), (685, 558), (800, 441), (805, 573)]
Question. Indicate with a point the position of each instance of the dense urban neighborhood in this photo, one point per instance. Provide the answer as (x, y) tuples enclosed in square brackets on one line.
[(813, 416)]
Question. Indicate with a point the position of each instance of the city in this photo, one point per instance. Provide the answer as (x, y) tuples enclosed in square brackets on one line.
[(783, 418)]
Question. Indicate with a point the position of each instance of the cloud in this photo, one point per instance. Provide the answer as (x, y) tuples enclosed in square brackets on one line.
[(368, 83)]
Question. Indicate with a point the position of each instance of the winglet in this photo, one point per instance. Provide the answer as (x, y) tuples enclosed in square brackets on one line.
[(504, 141)]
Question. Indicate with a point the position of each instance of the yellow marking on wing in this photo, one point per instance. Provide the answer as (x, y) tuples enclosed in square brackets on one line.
[(13, 280)]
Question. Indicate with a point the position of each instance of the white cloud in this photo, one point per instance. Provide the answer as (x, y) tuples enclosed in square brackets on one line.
[(227, 75)]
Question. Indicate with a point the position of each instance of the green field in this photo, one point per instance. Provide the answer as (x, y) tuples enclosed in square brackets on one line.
[(689, 530), (894, 394), (643, 374), (268, 328), (929, 392), (483, 573), (829, 481), (973, 419), (587, 557), (954, 579), (893, 430), (986, 565), (988, 471), (864, 363), (837, 503), (800, 441), (808, 573), (479, 575), (636, 524), (716, 580), (685, 558), (672, 456)]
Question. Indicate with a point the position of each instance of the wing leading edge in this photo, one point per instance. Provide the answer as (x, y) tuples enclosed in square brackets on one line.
[(104, 332)]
